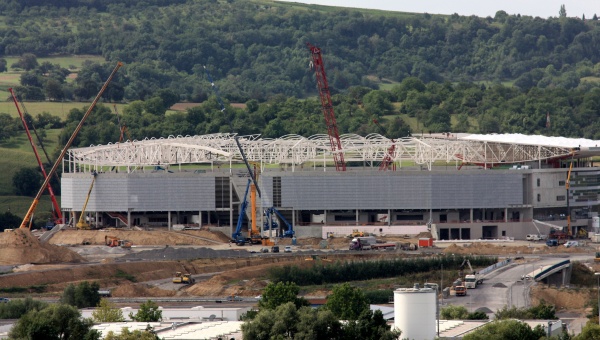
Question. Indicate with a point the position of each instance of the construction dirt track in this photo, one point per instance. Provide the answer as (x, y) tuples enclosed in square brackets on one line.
[(146, 269)]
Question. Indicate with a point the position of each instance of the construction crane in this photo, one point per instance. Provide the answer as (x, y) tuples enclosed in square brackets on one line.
[(567, 186), (327, 105), (27, 219), (57, 213), (387, 159), (271, 224), (82, 224), (122, 128), (237, 142), (236, 237)]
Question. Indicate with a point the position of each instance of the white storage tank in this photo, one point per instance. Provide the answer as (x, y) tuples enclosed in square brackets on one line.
[(415, 312), (596, 224)]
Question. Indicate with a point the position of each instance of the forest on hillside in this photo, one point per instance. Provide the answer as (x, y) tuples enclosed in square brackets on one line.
[(446, 73)]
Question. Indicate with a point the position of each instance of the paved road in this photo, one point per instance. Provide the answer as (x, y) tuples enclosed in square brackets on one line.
[(504, 286)]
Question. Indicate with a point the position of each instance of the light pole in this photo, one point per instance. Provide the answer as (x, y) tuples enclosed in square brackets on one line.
[(598, 293)]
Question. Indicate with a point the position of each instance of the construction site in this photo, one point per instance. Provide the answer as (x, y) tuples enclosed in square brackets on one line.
[(208, 215)]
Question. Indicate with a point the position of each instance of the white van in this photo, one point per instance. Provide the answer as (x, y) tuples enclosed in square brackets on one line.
[(533, 237)]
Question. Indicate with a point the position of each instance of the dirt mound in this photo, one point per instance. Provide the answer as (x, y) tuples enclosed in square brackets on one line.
[(424, 234), (561, 298), (147, 238), (487, 248), (21, 247), (140, 290)]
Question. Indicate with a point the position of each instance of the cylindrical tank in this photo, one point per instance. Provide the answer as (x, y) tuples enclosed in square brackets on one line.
[(415, 313), (596, 223)]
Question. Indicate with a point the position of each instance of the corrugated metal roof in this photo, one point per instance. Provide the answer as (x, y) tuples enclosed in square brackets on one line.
[(516, 138)]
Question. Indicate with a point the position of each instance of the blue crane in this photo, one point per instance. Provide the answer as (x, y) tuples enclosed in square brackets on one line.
[(289, 232), (237, 235)]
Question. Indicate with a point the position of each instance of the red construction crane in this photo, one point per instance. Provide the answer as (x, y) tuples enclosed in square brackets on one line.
[(26, 223), (57, 214), (332, 131), (122, 128), (387, 159)]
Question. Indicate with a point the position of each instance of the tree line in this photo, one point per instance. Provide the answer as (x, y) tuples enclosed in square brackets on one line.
[(258, 50)]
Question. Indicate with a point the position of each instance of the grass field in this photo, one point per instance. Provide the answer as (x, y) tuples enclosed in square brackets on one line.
[(60, 109)]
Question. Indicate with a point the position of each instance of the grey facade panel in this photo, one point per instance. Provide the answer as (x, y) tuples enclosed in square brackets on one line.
[(401, 191), (139, 192)]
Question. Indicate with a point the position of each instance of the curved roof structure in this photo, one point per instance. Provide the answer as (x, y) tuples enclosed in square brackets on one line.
[(295, 150)]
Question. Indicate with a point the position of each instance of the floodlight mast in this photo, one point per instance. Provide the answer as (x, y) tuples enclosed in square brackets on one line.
[(27, 219)]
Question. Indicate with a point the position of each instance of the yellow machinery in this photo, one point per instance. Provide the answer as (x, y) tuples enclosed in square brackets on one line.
[(356, 233), (597, 259), (255, 237), (82, 224), (183, 278)]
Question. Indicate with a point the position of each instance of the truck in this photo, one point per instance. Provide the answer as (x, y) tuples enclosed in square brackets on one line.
[(473, 278), (384, 246), (362, 243), (460, 290)]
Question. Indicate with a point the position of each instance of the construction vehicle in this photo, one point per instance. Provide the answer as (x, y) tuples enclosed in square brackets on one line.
[(597, 258), (26, 223), (125, 244), (557, 233), (356, 233), (56, 211), (237, 237), (183, 278), (271, 224), (472, 279), (460, 290), (391, 152), (327, 105), (362, 243), (111, 241), (82, 224)]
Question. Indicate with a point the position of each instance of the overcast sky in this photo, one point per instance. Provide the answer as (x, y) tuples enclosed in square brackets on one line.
[(482, 8)]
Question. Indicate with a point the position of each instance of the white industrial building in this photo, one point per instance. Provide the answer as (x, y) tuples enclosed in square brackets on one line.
[(460, 186)]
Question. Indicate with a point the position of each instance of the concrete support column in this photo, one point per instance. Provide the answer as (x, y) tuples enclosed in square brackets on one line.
[(129, 218), (505, 214), (169, 220), (324, 216), (357, 217), (471, 215), (96, 218), (200, 218), (74, 218), (389, 217)]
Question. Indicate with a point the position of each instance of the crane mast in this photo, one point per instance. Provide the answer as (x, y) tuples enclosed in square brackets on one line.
[(391, 152), (26, 223), (57, 212), (323, 86)]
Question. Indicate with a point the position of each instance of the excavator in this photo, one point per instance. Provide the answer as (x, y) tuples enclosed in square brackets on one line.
[(82, 224)]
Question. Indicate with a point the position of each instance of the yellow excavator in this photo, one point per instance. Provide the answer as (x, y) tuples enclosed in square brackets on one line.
[(82, 224)]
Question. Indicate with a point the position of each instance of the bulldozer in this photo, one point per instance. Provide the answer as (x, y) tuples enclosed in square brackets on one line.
[(356, 233), (178, 278)]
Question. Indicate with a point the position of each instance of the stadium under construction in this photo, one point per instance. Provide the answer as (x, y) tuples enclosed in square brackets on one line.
[(459, 186)]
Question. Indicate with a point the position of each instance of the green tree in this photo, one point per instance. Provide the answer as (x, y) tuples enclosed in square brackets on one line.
[(370, 326), (27, 181), (276, 294), (3, 65), (562, 13), (377, 103), (454, 313), (57, 321), (107, 312), (137, 334), (16, 308), (148, 312), (591, 331), (83, 295), (27, 61), (53, 90), (506, 329), (347, 302)]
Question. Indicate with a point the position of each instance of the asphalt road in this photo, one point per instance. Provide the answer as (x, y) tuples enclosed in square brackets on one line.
[(504, 287)]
